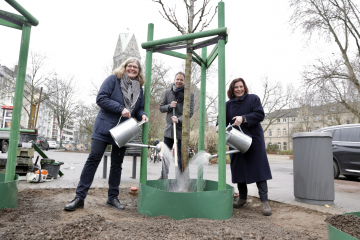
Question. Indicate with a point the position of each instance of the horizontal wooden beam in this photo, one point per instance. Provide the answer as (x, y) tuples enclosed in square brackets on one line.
[(23, 11), (9, 24), (191, 36)]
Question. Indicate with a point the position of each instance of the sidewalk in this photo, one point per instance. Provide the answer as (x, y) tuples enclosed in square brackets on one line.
[(347, 193)]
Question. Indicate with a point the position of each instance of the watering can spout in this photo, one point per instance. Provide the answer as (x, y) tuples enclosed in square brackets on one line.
[(226, 153), (157, 147)]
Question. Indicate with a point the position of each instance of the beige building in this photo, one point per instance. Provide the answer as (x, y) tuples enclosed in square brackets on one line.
[(305, 119)]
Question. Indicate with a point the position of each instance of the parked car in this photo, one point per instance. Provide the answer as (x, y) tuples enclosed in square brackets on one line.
[(42, 143), (57, 145), (52, 144), (346, 149)]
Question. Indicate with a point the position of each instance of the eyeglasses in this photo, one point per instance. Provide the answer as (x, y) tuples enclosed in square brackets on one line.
[(132, 66)]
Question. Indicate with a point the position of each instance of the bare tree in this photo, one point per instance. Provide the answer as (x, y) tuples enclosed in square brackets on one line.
[(195, 20), (86, 115), (275, 100), (337, 78), (64, 102)]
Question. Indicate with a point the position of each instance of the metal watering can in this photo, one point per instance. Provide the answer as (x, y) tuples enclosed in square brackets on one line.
[(127, 131), (238, 139)]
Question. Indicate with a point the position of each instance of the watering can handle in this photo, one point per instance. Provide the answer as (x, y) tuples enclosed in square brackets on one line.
[(119, 120), (237, 126)]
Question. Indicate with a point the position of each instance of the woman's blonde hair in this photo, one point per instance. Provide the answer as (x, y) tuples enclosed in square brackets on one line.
[(119, 71)]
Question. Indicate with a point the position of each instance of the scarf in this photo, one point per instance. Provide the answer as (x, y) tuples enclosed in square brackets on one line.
[(179, 93), (130, 90)]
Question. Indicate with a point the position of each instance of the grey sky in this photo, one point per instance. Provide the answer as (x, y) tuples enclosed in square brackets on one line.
[(80, 36)]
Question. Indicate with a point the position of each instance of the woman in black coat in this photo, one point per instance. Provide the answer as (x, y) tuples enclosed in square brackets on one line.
[(120, 95), (245, 110)]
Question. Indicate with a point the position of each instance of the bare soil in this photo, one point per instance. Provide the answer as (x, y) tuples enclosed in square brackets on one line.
[(346, 223), (40, 215)]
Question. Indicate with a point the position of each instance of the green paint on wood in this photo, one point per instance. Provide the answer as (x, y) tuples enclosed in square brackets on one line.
[(17, 106), (143, 166), (191, 36), (202, 118), (221, 107), (9, 24), (23, 11)]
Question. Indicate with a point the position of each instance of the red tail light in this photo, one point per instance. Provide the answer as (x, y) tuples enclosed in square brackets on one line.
[(38, 141)]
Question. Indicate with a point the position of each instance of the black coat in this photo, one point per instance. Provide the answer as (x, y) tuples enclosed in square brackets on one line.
[(252, 166), (111, 102)]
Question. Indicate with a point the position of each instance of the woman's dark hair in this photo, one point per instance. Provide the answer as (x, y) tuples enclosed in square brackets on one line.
[(230, 92)]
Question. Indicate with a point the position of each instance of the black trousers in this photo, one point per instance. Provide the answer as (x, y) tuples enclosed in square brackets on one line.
[(262, 187), (87, 175), (165, 168)]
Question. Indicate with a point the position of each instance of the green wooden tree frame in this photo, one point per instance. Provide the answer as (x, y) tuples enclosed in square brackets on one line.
[(21, 22), (165, 46)]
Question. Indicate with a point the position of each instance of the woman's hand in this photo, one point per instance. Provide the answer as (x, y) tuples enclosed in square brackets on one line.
[(238, 120), (126, 113), (145, 118), (217, 128)]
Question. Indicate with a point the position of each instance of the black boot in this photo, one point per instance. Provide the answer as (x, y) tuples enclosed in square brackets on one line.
[(115, 203), (74, 204)]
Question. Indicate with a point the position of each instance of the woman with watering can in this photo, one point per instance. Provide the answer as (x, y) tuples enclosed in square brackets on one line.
[(120, 96), (245, 110)]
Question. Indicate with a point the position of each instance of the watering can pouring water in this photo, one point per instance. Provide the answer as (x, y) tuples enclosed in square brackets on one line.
[(127, 131), (236, 139)]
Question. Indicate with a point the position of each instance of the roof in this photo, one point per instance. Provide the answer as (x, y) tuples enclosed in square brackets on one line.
[(313, 110), (125, 39)]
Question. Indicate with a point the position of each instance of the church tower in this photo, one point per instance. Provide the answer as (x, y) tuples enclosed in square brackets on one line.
[(126, 47)]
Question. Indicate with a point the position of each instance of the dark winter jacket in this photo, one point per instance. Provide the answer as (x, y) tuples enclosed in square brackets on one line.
[(169, 96), (111, 102), (252, 166)]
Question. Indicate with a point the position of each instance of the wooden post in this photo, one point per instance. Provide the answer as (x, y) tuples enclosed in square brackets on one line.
[(143, 165), (221, 106)]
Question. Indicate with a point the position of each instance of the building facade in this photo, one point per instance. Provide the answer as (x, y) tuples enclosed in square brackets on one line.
[(305, 119)]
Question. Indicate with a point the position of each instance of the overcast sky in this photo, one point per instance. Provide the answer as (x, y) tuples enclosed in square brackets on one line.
[(80, 36)]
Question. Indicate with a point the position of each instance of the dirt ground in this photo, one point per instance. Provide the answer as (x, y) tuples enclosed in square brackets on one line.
[(40, 214)]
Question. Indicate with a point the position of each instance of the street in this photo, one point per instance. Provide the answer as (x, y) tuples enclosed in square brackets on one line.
[(281, 188)]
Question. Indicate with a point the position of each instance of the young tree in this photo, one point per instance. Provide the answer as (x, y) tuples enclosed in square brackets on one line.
[(195, 22)]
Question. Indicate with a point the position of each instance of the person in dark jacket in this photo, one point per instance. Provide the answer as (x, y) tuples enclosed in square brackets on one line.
[(120, 97), (174, 98), (245, 110)]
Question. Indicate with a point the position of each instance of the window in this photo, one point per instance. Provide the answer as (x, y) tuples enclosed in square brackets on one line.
[(329, 118), (278, 120), (279, 145), (347, 121), (349, 134), (317, 128), (284, 132), (269, 132), (305, 118), (279, 133), (309, 130), (285, 146), (316, 118), (284, 120)]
